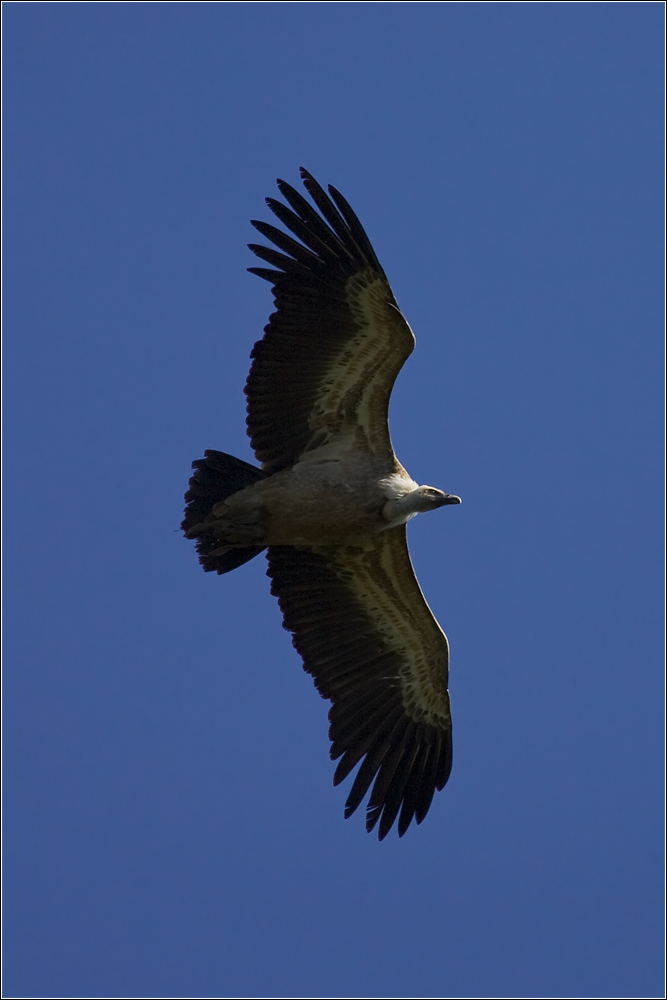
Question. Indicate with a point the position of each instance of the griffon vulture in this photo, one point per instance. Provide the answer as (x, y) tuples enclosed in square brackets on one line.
[(330, 504)]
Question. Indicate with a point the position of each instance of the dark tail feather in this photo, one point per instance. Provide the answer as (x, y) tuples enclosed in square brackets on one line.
[(228, 559), (216, 477)]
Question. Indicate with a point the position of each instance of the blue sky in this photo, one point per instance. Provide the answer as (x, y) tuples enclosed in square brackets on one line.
[(171, 828)]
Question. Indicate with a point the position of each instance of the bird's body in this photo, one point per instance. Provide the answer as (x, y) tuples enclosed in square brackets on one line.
[(330, 503), (317, 501)]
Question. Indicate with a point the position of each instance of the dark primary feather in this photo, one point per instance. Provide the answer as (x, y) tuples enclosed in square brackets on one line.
[(349, 229), (356, 668)]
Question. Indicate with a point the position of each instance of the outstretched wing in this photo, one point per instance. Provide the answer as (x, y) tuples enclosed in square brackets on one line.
[(369, 639), (324, 371)]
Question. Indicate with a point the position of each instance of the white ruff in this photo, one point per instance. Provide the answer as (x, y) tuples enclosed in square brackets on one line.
[(397, 485)]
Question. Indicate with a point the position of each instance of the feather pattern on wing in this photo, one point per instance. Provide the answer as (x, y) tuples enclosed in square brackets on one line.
[(324, 370), (373, 647)]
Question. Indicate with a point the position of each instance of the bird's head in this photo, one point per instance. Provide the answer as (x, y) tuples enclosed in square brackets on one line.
[(428, 498), (402, 508)]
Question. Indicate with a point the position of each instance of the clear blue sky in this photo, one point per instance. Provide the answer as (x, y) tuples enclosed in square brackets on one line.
[(171, 828)]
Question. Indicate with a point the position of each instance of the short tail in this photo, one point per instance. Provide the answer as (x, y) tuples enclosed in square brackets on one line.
[(216, 477)]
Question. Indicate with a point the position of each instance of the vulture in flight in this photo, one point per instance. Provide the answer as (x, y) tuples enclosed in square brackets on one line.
[(330, 503)]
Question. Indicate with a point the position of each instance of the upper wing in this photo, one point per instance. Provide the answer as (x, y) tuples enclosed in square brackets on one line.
[(331, 352), (369, 639)]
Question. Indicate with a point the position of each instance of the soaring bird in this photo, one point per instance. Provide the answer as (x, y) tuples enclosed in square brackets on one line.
[(330, 505)]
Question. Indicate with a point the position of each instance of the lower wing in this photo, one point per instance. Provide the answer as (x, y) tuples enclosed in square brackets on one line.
[(373, 647)]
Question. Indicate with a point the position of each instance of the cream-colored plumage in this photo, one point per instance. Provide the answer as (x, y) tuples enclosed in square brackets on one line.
[(330, 503)]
